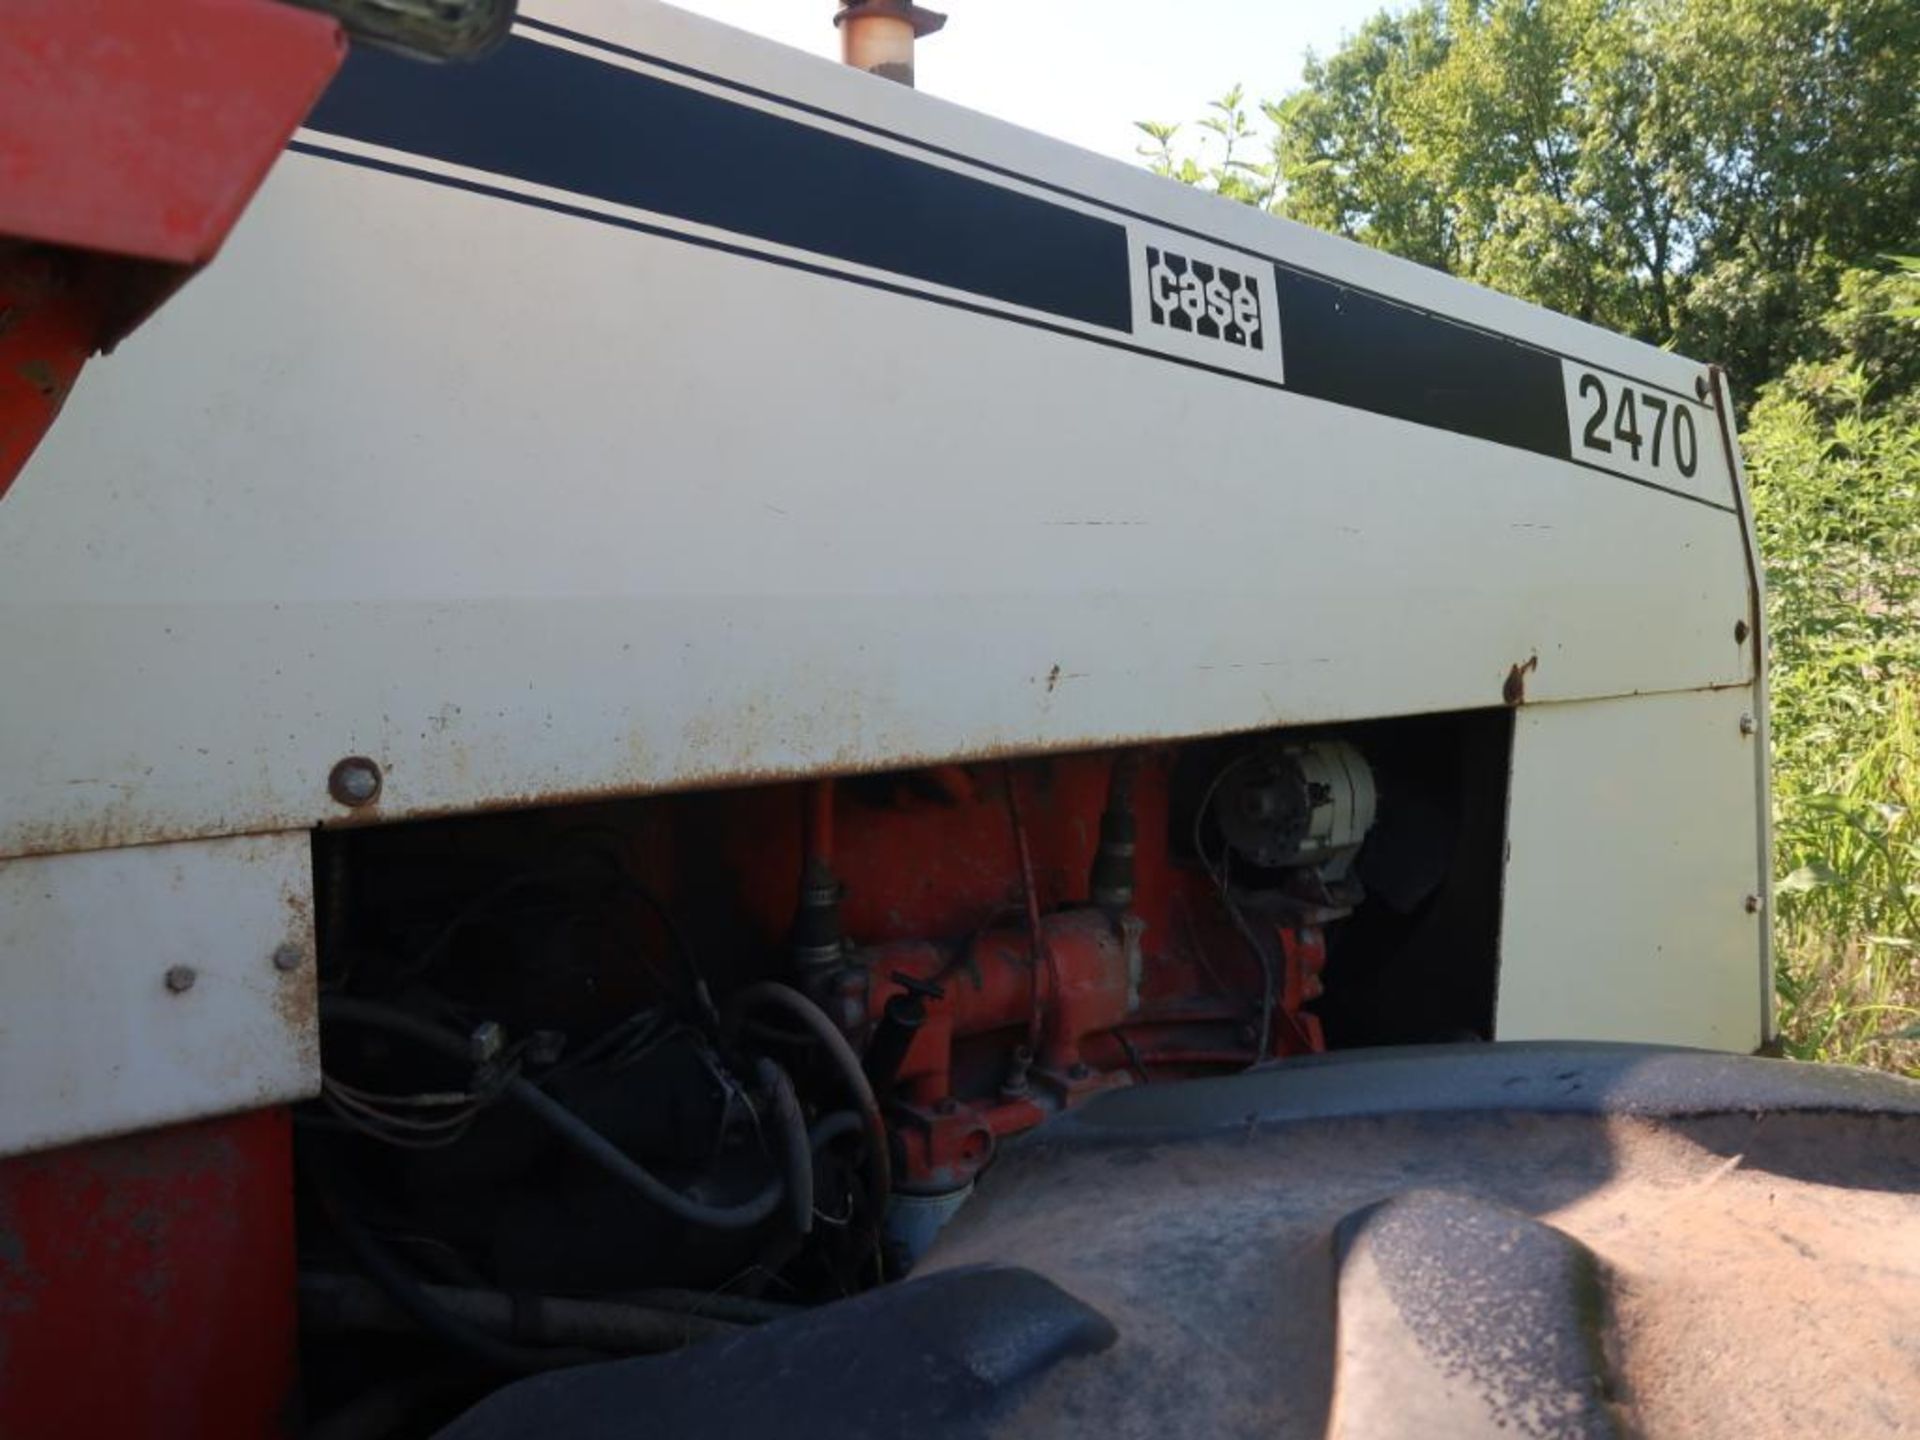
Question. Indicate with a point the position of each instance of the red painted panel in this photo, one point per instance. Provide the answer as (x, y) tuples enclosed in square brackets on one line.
[(132, 135), (142, 127), (147, 1285), (51, 309)]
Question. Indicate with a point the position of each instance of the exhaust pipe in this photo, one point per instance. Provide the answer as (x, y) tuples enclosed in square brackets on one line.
[(877, 36)]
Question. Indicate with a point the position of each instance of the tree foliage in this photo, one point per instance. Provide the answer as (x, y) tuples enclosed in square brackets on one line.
[(1697, 173), (1833, 447), (1239, 172)]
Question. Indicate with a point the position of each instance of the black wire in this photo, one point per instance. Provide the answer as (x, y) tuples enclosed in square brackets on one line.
[(1222, 883), (696, 977), (627, 883), (610, 849), (579, 1136), (432, 952), (617, 1038)]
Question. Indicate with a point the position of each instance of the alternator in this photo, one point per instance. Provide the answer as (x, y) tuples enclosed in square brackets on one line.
[(1298, 805)]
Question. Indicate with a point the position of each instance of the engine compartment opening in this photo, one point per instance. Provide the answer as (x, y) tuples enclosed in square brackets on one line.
[(610, 1079)]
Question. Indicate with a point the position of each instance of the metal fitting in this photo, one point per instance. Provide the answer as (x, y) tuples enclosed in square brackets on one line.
[(1749, 725), (1016, 1085), (287, 958), (180, 978), (486, 1041), (1753, 903)]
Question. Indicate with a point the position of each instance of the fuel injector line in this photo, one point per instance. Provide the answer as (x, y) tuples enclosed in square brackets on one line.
[(1110, 886), (901, 1020), (1043, 960)]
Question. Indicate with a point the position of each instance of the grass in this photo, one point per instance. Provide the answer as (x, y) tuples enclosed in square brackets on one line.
[(1834, 456), (1847, 928)]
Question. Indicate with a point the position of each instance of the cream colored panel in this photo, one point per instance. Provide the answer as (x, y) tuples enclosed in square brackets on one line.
[(154, 984), (1632, 841)]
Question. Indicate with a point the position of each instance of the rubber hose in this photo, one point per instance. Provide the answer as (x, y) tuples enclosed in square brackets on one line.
[(820, 1025), (581, 1137), (411, 1297), (829, 1128), (717, 1305), (794, 1143), (349, 1303), (379, 1413)]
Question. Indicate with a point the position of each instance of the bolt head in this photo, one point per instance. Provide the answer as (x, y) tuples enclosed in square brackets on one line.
[(287, 958), (355, 781), (180, 978), (1753, 904), (1748, 725)]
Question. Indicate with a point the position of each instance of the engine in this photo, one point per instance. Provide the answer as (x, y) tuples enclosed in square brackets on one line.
[(609, 1079)]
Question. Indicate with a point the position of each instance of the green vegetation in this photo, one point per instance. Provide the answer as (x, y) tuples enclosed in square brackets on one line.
[(1734, 179), (1833, 447)]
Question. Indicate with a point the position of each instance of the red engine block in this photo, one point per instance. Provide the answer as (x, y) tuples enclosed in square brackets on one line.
[(1010, 1031)]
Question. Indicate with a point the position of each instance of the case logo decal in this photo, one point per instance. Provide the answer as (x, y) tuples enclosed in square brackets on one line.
[(1198, 297)]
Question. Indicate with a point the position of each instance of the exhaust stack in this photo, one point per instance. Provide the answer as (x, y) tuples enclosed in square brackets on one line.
[(877, 36)]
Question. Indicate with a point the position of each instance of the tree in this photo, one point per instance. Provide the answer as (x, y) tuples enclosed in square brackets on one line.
[(1698, 173), (1808, 119), (1340, 141), (1229, 130)]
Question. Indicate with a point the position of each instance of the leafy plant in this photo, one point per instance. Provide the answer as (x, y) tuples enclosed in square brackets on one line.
[(1221, 163), (1849, 911), (1834, 453)]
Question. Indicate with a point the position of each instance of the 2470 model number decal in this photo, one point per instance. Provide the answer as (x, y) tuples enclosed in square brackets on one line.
[(1607, 425), (1618, 424)]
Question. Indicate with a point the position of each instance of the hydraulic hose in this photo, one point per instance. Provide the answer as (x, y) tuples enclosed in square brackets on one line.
[(795, 1144), (579, 1136), (829, 1128), (717, 1305), (771, 994), (348, 1303), (413, 1299), (381, 1412)]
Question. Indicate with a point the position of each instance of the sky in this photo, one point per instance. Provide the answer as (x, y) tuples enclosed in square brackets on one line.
[(1085, 70)]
